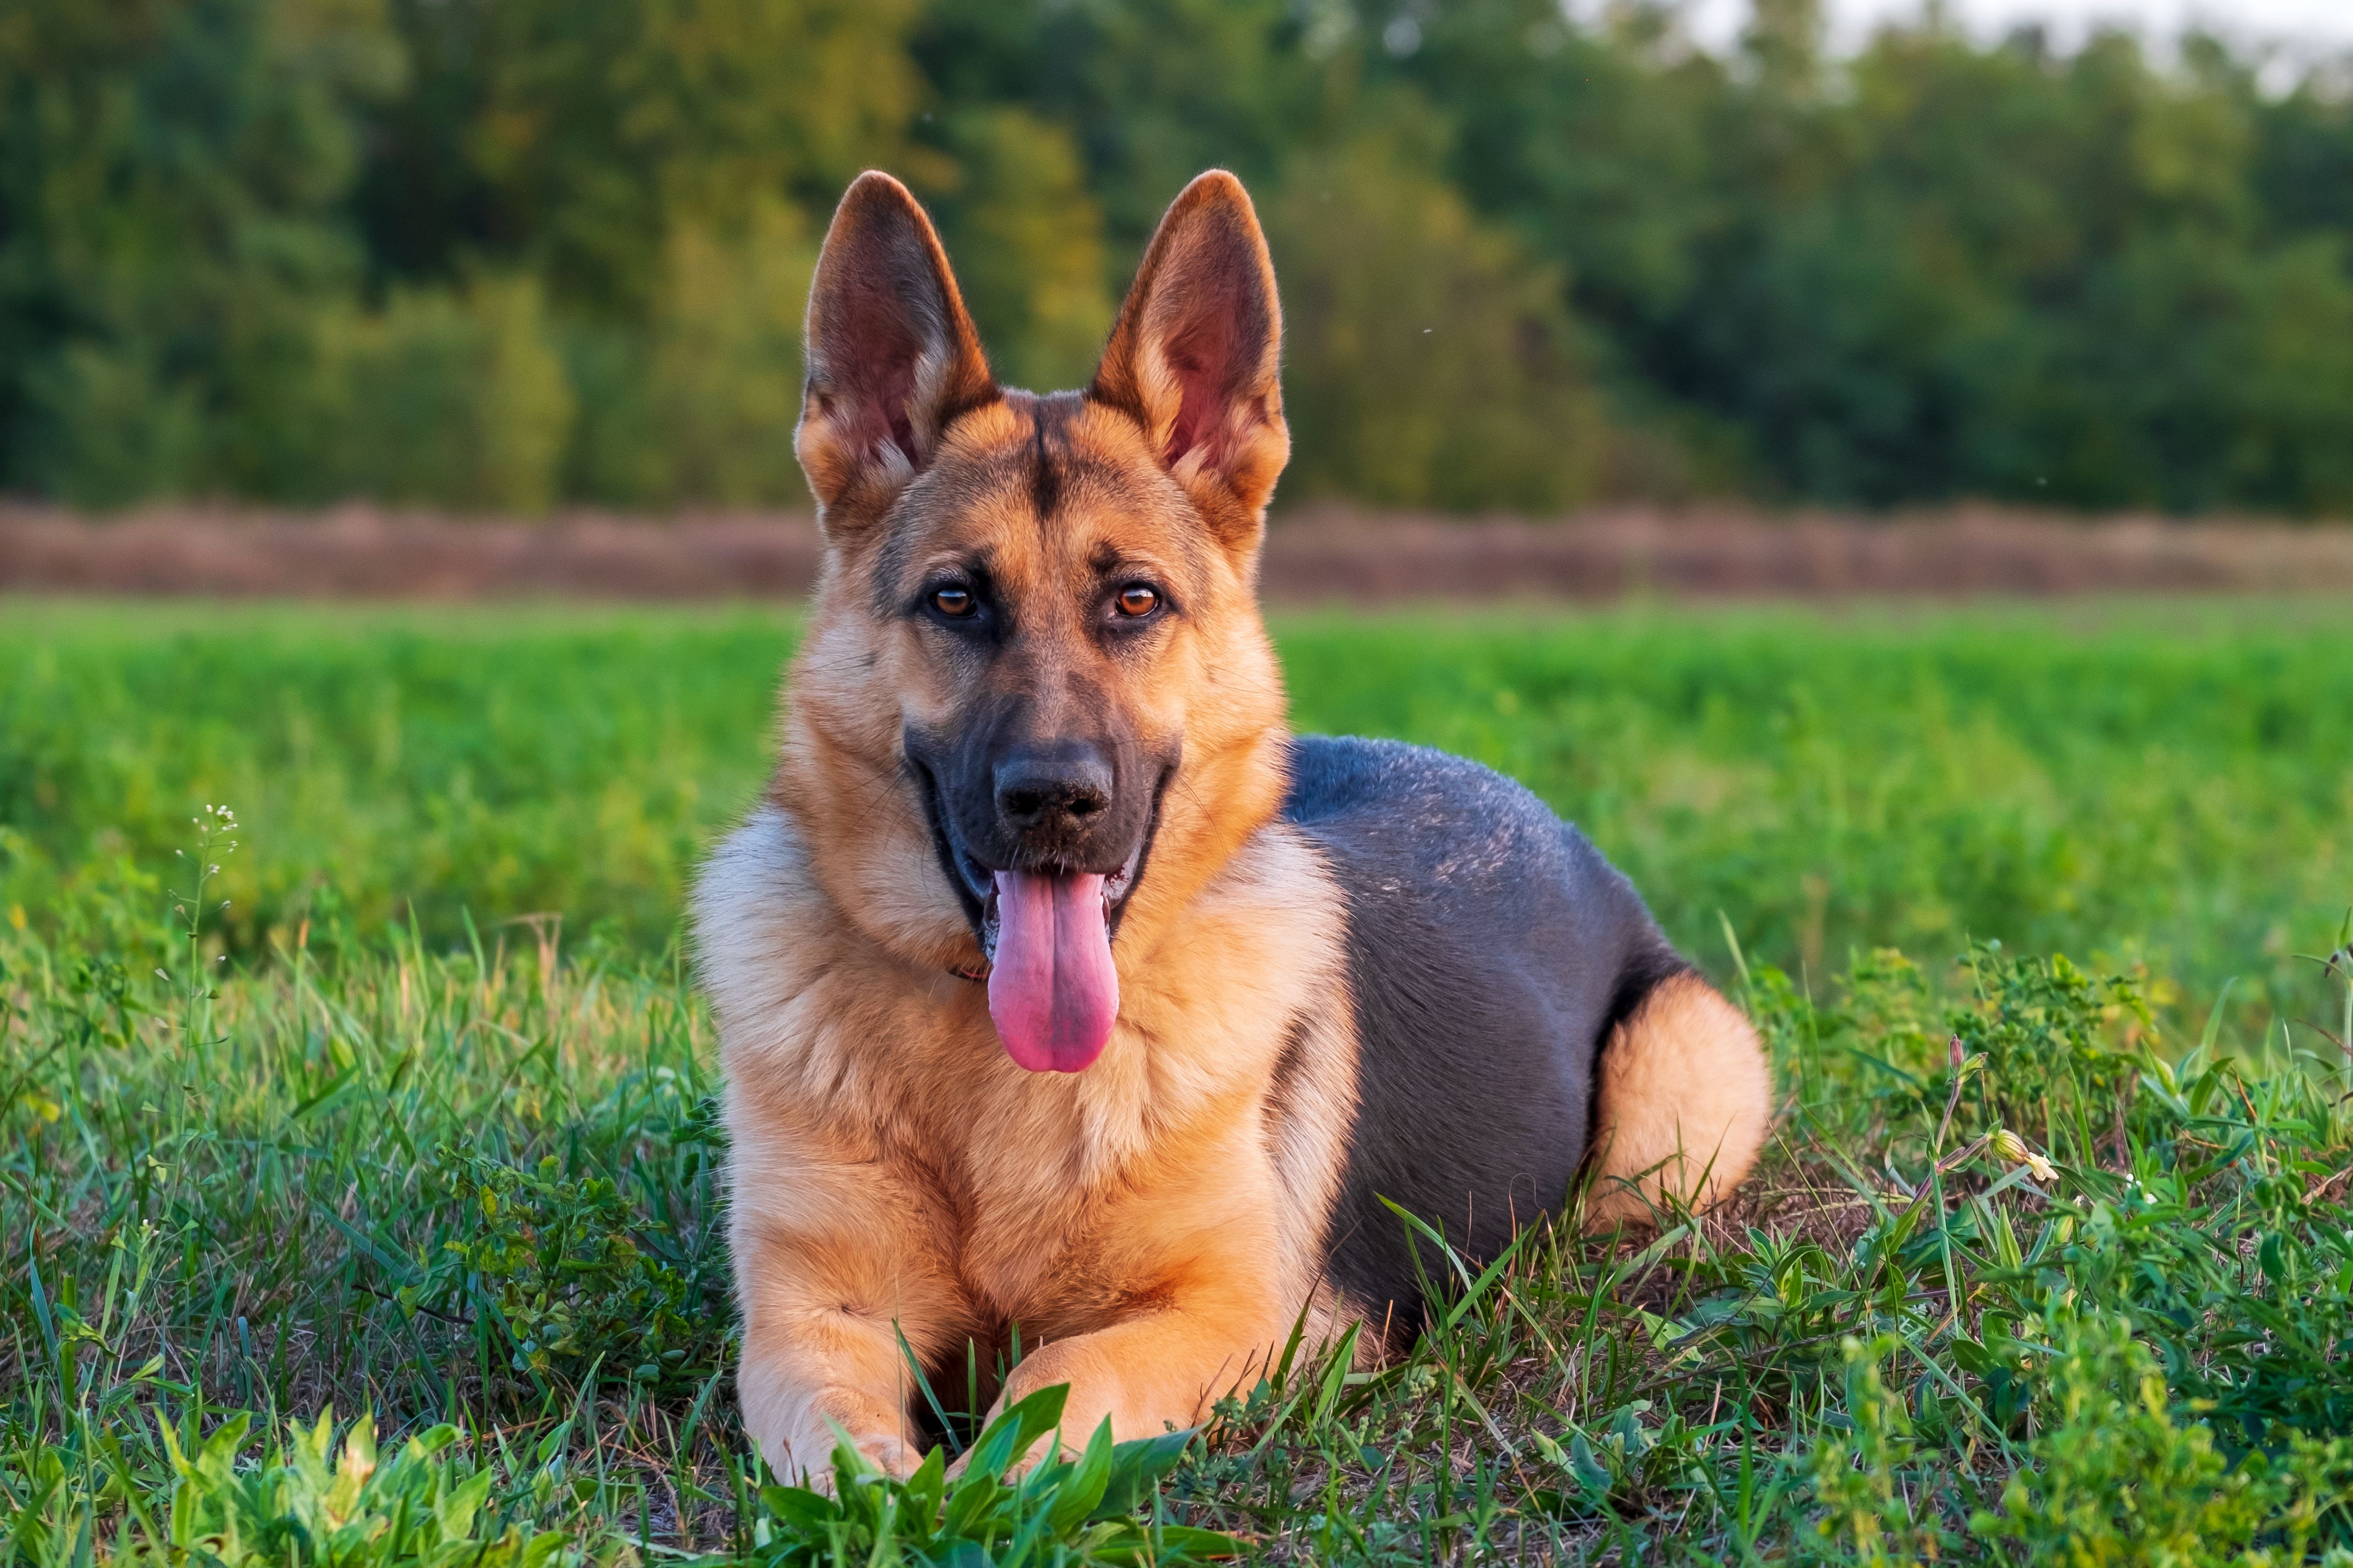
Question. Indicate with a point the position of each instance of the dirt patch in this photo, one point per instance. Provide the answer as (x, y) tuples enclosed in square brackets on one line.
[(1313, 554)]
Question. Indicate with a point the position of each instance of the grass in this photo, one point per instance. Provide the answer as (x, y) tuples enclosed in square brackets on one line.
[(2158, 783), (2050, 1261)]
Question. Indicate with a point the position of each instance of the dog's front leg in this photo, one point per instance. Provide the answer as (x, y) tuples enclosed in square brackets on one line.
[(1219, 1307), (1162, 1369), (822, 1319)]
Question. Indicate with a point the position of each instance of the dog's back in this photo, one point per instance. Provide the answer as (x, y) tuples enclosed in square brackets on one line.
[(1493, 957), (1490, 949)]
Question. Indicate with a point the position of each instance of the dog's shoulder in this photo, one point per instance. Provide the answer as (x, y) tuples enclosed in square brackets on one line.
[(797, 993), (749, 916), (1450, 871), (1402, 822), (1442, 820)]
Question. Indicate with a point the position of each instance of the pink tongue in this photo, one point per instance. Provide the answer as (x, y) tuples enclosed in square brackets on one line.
[(1051, 986)]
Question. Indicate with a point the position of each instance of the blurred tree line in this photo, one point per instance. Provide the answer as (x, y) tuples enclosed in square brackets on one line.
[(503, 254)]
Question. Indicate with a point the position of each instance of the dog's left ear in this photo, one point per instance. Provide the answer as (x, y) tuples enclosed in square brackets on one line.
[(892, 356), (1197, 356)]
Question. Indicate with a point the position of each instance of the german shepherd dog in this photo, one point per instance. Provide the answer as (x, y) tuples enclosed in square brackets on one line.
[(1062, 991)]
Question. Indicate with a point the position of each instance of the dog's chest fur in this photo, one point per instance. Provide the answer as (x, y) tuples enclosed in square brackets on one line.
[(866, 1090)]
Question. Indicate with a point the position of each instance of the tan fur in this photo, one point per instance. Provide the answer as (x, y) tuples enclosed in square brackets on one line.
[(1147, 1222), (1684, 1102), (1154, 1225), (892, 1165)]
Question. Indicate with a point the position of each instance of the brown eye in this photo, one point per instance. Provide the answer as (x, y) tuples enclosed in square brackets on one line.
[(1138, 600), (953, 602)]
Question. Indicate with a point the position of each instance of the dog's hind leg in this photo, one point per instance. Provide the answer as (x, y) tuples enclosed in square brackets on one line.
[(1684, 1099)]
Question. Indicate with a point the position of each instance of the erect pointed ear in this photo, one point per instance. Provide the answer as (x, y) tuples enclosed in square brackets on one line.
[(893, 357), (1197, 354)]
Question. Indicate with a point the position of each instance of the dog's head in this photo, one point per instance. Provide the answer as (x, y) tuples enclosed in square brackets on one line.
[(1036, 709)]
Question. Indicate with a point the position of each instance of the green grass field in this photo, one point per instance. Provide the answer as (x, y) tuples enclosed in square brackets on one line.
[(2054, 1259)]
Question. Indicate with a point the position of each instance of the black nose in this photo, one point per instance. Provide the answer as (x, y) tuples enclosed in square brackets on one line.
[(1049, 789)]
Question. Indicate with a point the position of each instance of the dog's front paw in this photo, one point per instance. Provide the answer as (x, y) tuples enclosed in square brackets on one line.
[(1083, 1408), (809, 1461), (799, 1447), (887, 1452)]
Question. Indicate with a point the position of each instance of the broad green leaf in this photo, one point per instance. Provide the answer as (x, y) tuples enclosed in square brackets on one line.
[(1014, 1431), (1083, 1488), (1136, 1466)]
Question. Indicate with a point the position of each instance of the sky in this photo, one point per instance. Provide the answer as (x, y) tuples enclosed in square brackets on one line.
[(2307, 28)]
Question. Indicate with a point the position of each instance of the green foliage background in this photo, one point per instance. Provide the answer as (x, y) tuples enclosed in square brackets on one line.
[(504, 254), (2156, 782)]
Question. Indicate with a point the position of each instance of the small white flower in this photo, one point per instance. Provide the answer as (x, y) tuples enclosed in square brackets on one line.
[(2010, 1146)]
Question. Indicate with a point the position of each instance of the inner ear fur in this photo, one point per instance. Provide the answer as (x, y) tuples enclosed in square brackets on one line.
[(892, 353), (1195, 356)]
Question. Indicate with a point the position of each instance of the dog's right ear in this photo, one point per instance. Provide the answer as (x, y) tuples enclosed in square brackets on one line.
[(892, 356)]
